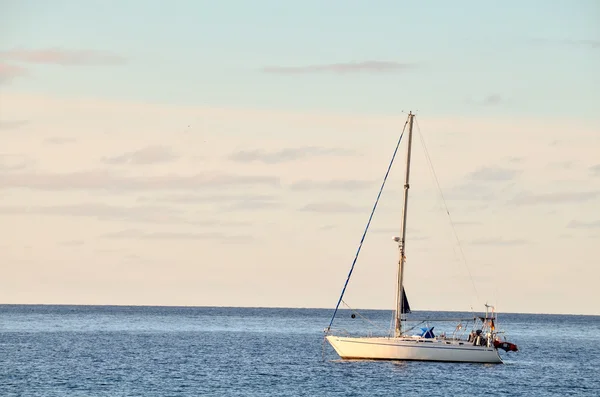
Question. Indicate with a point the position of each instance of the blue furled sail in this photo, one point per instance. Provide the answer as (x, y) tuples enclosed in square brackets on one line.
[(427, 332)]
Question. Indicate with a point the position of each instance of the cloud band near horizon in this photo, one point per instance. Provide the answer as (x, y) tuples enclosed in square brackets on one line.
[(343, 68)]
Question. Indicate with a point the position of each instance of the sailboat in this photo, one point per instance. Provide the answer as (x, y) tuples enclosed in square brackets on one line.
[(480, 345)]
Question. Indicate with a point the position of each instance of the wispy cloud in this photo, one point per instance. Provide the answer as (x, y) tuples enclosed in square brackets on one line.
[(595, 170), (149, 214), (11, 124), (587, 43), (140, 234), (144, 156), (116, 182), (466, 223), (249, 204), (9, 72), (335, 184), (343, 68), (563, 165), (224, 202), (515, 159), (470, 191), (554, 198), (12, 162), (72, 243), (574, 224), (288, 154), (10, 69), (493, 99), (493, 174), (57, 140), (331, 207), (62, 57), (134, 214), (584, 43), (327, 227), (500, 242), (489, 100), (208, 198)]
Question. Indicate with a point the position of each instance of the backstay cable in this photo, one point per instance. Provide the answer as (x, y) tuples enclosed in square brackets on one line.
[(447, 211)]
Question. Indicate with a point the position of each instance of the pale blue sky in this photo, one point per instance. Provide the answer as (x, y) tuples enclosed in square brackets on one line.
[(228, 152), (533, 54)]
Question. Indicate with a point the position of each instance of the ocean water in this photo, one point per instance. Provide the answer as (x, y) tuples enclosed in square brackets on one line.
[(205, 351)]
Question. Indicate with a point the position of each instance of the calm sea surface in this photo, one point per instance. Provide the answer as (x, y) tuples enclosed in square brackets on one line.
[(171, 351)]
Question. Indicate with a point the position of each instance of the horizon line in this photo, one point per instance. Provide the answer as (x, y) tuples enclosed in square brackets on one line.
[(272, 307)]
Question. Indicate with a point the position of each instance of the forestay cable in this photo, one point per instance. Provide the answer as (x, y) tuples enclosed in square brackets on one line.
[(367, 227)]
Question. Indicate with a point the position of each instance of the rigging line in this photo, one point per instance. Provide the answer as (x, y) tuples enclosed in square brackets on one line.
[(447, 211), (361, 316), (414, 326), (368, 224)]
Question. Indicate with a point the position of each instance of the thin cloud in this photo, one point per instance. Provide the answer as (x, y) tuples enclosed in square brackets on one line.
[(145, 156), (331, 208), (109, 181), (12, 162), (62, 57), (574, 224), (72, 243), (470, 191), (466, 223), (564, 165), (12, 167), (11, 124), (285, 155), (554, 198), (10, 72), (500, 242), (556, 142), (587, 43), (595, 170), (59, 140), (327, 227), (493, 174), (343, 68), (490, 100), (225, 202), (142, 235), (208, 198), (146, 214), (584, 43), (335, 184), (105, 212), (515, 159), (251, 205)]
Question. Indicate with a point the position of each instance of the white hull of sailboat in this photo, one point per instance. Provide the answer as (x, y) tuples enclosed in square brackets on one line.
[(418, 349)]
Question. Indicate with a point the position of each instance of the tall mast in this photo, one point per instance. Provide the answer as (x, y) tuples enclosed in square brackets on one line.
[(402, 239)]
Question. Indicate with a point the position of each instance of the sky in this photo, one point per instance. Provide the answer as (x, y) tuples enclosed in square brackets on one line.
[(229, 153)]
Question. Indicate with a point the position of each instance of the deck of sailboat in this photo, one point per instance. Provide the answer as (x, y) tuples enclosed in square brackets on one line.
[(390, 340), (412, 349)]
